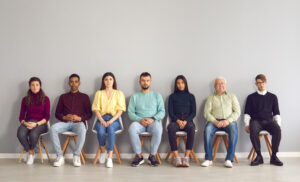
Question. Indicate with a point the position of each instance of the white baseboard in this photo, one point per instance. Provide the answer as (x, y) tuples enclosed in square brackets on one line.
[(163, 155)]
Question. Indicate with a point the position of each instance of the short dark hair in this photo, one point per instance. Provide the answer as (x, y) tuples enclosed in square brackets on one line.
[(261, 77), (186, 88), (104, 76), (145, 74), (74, 75)]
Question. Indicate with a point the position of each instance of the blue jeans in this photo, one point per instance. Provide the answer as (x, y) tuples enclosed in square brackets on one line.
[(209, 132), (110, 130), (60, 127), (154, 128)]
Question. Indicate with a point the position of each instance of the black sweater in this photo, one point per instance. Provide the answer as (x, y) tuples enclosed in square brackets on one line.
[(262, 107), (182, 103)]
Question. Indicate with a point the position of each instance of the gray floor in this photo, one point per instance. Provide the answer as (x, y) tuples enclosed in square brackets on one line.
[(10, 171)]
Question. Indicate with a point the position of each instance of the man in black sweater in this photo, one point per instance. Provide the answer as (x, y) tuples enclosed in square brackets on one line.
[(262, 113)]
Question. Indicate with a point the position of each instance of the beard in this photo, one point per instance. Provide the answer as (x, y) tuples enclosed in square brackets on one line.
[(145, 87)]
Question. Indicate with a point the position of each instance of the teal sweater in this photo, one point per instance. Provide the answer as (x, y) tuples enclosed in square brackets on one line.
[(146, 105)]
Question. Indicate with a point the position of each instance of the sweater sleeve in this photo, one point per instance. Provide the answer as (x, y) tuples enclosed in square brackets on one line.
[(22, 110), (160, 109), (275, 106), (192, 109), (47, 109), (131, 110), (171, 109)]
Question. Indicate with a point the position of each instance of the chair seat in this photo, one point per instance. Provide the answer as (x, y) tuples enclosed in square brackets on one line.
[(263, 132), (221, 133), (146, 134), (69, 133)]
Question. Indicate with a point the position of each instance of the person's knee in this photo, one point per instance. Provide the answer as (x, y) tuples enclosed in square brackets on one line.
[(172, 127), (157, 129), (21, 134), (190, 127), (133, 128)]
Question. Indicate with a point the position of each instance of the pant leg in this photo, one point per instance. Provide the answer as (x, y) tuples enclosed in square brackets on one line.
[(22, 135), (255, 128), (80, 130), (173, 127), (111, 138), (35, 133), (209, 132), (56, 129), (232, 131), (155, 129), (274, 129), (134, 130), (101, 131), (190, 130)]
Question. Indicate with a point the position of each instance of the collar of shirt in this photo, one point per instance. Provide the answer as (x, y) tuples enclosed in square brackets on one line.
[(262, 93), (76, 93), (225, 93)]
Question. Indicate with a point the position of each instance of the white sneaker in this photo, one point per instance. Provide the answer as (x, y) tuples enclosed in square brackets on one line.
[(109, 163), (59, 161), (76, 161), (30, 159), (102, 158), (228, 164), (206, 163)]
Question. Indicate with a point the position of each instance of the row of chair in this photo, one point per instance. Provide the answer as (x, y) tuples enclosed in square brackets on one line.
[(179, 134)]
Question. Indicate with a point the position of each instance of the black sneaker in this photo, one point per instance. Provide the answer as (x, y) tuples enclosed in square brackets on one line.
[(137, 161), (152, 161), (275, 161)]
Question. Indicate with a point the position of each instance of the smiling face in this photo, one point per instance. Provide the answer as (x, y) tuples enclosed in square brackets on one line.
[(74, 84), (35, 87), (145, 82), (220, 86), (180, 84), (108, 81), (261, 85)]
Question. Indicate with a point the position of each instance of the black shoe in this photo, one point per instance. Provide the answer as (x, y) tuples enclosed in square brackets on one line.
[(257, 161), (152, 161), (275, 161), (137, 161)]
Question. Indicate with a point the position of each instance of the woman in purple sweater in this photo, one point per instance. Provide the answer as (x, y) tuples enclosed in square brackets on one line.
[(35, 112)]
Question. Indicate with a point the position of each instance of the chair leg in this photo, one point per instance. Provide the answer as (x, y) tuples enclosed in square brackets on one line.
[(251, 152), (269, 145), (66, 145), (21, 156), (216, 147), (168, 155), (173, 157), (225, 139), (142, 141), (117, 154), (97, 156), (158, 158), (41, 151), (45, 148)]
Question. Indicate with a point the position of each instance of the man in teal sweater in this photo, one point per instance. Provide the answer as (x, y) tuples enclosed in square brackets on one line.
[(146, 110)]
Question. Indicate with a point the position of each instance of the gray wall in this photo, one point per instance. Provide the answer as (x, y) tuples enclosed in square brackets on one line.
[(200, 39)]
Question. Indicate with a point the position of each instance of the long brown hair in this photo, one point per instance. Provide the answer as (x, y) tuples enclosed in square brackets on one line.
[(41, 94), (104, 76)]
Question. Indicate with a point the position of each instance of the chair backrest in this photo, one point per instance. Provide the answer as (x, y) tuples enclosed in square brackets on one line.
[(96, 119)]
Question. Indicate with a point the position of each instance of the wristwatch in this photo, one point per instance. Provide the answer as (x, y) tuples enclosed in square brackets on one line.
[(37, 124)]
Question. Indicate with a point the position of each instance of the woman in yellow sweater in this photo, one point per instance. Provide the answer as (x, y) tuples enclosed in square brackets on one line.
[(109, 104)]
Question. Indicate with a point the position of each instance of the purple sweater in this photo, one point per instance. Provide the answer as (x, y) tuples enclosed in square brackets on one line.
[(36, 111)]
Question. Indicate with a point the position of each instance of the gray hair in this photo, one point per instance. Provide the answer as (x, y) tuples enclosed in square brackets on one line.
[(220, 78)]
